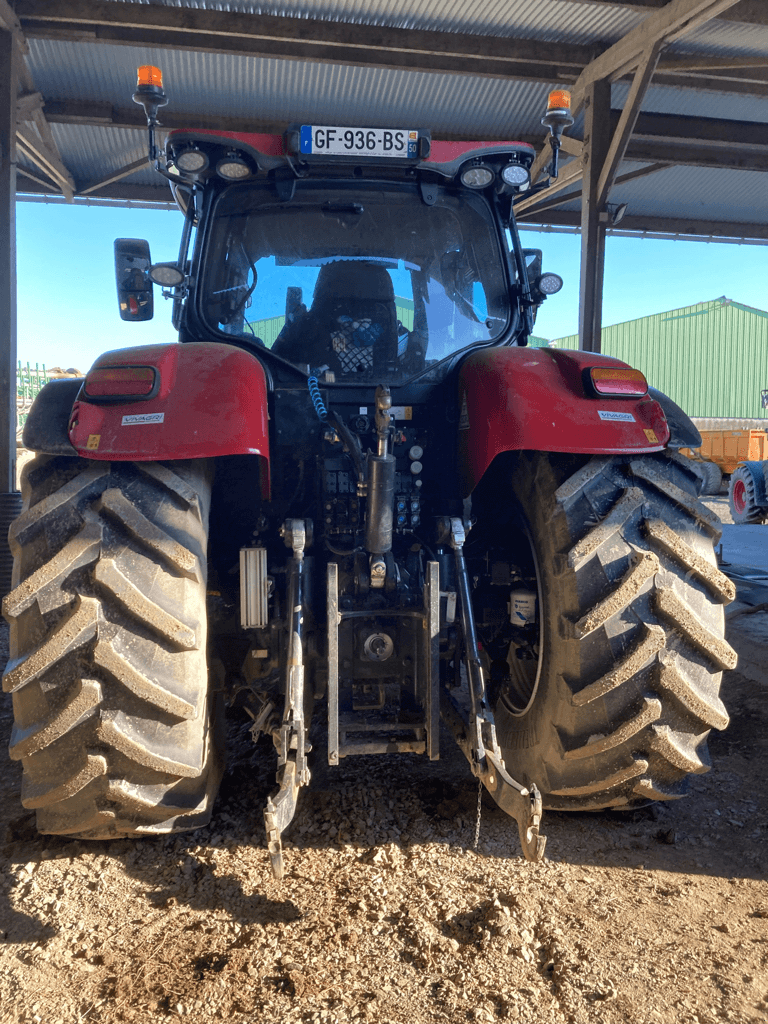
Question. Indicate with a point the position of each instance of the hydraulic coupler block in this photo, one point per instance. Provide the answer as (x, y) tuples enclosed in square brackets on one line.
[(254, 588)]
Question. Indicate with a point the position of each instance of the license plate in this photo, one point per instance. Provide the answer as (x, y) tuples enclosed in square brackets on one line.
[(400, 143)]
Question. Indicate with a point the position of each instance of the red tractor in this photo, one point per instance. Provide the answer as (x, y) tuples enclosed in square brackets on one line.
[(352, 496)]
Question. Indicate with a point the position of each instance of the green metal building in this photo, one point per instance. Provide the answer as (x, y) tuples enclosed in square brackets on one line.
[(711, 358)]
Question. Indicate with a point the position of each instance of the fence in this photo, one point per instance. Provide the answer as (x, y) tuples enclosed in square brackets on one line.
[(29, 382)]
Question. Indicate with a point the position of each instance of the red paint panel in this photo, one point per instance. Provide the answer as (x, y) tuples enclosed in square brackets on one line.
[(516, 398), (269, 145), (272, 145), (445, 152), (212, 400)]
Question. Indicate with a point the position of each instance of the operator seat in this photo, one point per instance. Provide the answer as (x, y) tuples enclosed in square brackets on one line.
[(351, 326)]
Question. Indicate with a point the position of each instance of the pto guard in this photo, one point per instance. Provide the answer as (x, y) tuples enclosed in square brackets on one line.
[(521, 398), (210, 400)]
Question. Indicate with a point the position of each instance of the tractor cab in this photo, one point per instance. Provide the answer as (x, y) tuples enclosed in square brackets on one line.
[(376, 254)]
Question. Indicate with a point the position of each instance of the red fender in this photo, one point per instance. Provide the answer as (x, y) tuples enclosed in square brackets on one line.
[(516, 398), (208, 399)]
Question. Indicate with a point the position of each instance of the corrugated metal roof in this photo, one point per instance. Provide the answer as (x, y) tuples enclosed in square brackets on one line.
[(553, 20), (726, 343), (724, 39), (285, 90)]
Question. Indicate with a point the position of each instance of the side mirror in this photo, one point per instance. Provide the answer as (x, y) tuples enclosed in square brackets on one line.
[(533, 258), (134, 286), (541, 284)]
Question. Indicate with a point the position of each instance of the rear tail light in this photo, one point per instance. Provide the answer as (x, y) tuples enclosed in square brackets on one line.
[(618, 381), (121, 382)]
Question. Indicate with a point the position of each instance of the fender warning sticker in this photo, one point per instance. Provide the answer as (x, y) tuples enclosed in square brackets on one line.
[(623, 417), (94, 440), (145, 417)]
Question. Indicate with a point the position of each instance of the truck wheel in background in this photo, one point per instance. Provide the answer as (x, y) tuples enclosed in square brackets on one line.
[(712, 477), (615, 707), (743, 495), (113, 719)]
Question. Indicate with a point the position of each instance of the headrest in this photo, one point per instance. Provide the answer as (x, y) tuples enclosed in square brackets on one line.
[(355, 280)]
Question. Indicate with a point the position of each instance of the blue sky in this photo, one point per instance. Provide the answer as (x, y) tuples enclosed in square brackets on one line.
[(67, 307)]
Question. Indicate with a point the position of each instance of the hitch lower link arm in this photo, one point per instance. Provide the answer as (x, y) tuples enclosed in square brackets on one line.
[(477, 738), (292, 770)]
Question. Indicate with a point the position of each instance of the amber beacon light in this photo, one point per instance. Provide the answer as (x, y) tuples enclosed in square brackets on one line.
[(557, 119), (149, 75), (149, 94)]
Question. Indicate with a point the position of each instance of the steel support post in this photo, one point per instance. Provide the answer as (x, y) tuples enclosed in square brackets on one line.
[(597, 140), (10, 499), (9, 62)]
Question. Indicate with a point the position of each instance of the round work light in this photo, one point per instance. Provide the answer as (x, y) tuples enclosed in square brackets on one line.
[(233, 167), (167, 275), (191, 161), (515, 174), (477, 177), (548, 284)]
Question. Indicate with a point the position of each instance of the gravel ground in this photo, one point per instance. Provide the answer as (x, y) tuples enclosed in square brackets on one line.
[(388, 914)]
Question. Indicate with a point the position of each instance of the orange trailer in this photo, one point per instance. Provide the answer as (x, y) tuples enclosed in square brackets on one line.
[(727, 448)]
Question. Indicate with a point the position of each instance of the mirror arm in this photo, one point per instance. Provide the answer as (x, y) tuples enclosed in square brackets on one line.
[(526, 299)]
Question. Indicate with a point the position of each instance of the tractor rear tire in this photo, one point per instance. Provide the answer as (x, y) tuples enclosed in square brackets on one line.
[(631, 647), (113, 719)]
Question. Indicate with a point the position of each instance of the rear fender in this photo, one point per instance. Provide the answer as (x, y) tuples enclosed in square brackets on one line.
[(45, 429), (522, 398), (208, 400)]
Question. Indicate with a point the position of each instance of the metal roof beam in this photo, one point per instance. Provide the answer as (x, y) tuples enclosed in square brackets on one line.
[(668, 23), (29, 108), (699, 228), (47, 185), (8, 20), (121, 192), (547, 202), (623, 130), (644, 151), (27, 105), (708, 130), (741, 83), (118, 175), (105, 115), (34, 148)]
